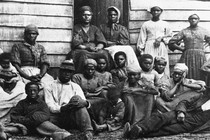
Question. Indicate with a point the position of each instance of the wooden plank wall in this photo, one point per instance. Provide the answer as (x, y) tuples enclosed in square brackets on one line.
[(53, 17), (175, 15)]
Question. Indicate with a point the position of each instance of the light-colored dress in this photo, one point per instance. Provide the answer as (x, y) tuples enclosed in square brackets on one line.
[(150, 31)]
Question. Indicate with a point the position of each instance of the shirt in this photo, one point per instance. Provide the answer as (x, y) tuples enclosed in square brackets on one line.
[(58, 94), (30, 113), (25, 54)]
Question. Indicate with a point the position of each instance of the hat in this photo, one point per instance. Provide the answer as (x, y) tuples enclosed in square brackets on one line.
[(68, 65), (90, 61), (85, 8), (31, 27)]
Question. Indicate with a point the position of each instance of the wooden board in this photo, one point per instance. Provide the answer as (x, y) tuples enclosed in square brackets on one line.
[(51, 47), (35, 9), (60, 2), (55, 60), (54, 35), (39, 21), (178, 15)]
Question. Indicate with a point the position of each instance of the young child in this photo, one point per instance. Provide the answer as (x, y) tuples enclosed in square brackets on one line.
[(111, 116), (147, 72), (105, 76), (119, 74), (8, 73), (31, 115)]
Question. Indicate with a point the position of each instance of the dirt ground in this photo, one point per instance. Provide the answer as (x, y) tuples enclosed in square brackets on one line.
[(118, 136)]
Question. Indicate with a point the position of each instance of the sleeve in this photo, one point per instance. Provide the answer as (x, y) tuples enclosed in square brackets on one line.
[(40, 115), (120, 112), (15, 54), (142, 38), (177, 37), (99, 37), (198, 82), (124, 38), (43, 56), (17, 115), (77, 37), (76, 79), (50, 100)]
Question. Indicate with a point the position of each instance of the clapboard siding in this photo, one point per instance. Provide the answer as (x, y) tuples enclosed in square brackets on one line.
[(176, 15), (54, 19)]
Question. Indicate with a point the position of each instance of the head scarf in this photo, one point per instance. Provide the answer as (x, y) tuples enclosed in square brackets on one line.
[(133, 70), (181, 67), (160, 59), (193, 15), (31, 27), (91, 62), (67, 65), (156, 7), (115, 9), (85, 8)]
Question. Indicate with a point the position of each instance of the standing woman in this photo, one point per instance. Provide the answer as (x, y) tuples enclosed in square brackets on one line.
[(153, 36), (193, 54)]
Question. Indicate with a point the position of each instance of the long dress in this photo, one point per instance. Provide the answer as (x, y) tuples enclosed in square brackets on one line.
[(194, 55), (150, 31)]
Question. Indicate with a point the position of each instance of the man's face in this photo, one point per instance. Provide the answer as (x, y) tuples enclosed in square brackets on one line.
[(177, 76), (32, 92), (65, 75), (86, 17), (156, 12), (31, 36), (112, 16)]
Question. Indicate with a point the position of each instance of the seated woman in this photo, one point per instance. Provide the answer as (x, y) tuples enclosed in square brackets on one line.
[(178, 88), (11, 87), (138, 97), (117, 37), (30, 58), (87, 42), (91, 84)]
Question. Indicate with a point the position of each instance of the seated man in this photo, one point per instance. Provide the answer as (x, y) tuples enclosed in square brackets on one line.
[(189, 115), (67, 102)]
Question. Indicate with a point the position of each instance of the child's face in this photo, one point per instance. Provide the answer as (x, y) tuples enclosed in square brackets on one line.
[(101, 64), (32, 92), (120, 61), (147, 64), (160, 67), (5, 63), (113, 100)]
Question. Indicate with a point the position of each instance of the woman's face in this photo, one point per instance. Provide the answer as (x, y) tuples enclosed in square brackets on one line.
[(101, 64), (147, 64), (120, 61), (90, 70), (86, 17), (133, 77), (156, 12), (177, 76), (160, 67), (31, 36), (112, 16), (193, 20)]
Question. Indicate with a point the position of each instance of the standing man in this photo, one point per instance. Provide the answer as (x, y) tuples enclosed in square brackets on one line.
[(30, 58), (67, 103)]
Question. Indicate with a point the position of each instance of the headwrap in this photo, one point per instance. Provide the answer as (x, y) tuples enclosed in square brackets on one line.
[(144, 57), (160, 59), (194, 15), (155, 7), (133, 70), (85, 8), (181, 67), (115, 9), (31, 27), (67, 65), (90, 61)]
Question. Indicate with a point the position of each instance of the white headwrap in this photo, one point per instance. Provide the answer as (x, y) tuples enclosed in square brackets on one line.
[(181, 67)]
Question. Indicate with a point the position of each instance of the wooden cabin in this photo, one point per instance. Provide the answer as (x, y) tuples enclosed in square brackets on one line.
[(55, 19)]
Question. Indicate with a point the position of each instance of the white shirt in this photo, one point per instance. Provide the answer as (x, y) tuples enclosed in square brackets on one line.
[(58, 94)]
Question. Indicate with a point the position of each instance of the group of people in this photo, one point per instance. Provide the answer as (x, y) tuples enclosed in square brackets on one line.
[(103, 85)]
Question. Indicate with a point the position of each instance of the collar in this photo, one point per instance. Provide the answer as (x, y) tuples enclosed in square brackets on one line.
[(29, 45), (38, 100), (68, 83)]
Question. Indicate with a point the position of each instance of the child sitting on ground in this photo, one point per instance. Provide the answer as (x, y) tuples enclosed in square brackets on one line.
[(112, 114), (31, 115)]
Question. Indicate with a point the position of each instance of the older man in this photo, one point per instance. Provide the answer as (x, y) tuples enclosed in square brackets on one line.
[(67, 103)]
